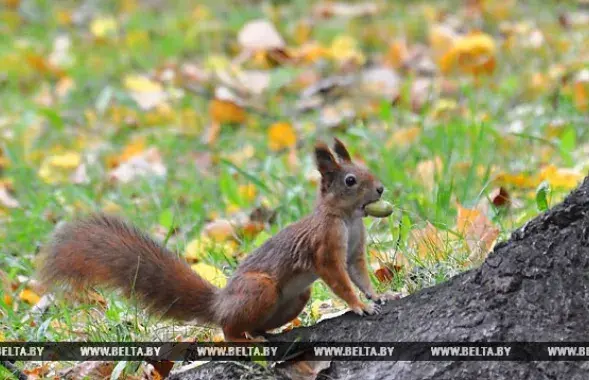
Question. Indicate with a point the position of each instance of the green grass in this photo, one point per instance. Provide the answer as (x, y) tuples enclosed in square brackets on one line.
[(473, 143)]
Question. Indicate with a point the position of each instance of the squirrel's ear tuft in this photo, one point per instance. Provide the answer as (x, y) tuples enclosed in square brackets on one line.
[(326, 163), (341, 151)]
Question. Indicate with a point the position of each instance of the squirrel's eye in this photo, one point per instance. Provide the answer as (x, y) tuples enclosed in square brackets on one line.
[(350, 180)]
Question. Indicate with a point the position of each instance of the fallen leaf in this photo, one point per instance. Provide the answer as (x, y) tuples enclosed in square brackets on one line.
[(344, 48), (330, 9), (478, 231), (281, 135), (581, 91), (384, 274), (102, 27), (500, 197), (145, 92), (29, 296), (301, 369), (211, 274), (146, 164), (7, 198), (92, 370), (381, 81), (260, 35), (199, 248), (247, 192), (473, 53), (58, 168), (560, 177), (226, 108), (220, 230)]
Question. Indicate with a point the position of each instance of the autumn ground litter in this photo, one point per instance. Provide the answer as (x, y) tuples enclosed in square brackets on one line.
[(196, 121)]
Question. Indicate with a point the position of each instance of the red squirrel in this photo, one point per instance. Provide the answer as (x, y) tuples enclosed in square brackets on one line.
[(268, 289)]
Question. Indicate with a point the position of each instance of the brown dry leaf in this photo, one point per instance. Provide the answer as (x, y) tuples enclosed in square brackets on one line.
[(500, 197), (260, 35), (91, 370), (281, 135), (303, 369), (161, 369), (145, 164), (428, 243), (37, 372), (384, 274), (478, 231), (7, 199)]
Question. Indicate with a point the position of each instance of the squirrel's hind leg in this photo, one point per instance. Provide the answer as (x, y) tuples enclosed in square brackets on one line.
[(246, 303), (286, 311)]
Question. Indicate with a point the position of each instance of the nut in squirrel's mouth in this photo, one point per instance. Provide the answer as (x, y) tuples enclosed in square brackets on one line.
[(363, 207)]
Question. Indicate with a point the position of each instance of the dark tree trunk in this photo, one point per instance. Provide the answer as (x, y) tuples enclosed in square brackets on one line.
[(533, 287)]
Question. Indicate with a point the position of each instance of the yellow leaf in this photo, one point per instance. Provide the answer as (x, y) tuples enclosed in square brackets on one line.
[(139, 83), (560, 178), (398, 53), (581, 95), (518, 180), (311, 52), (247, 192), (29, 296), (103, 26), (211, 274), (146, 92), (225, 111), (200, 247), (58, 168), (281, 135), (345, 48), (473, 53)]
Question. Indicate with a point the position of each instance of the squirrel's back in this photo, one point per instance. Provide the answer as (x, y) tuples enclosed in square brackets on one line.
[(105, 250)]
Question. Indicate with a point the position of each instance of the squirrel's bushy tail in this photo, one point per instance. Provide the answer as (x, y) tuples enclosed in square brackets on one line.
[(106, 251)]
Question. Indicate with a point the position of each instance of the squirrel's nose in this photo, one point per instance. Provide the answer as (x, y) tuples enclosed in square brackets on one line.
[(380, 189)]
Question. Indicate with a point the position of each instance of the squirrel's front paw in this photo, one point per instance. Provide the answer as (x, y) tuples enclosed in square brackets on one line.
[(367, 309), (382, 298)]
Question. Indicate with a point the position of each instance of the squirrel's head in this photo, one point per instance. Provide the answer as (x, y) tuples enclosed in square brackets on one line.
[(345, 185)]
